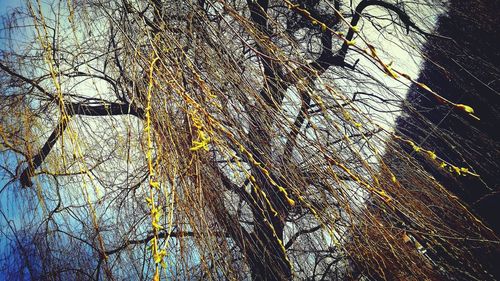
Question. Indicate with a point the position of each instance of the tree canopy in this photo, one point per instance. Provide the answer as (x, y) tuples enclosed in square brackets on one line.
[(239, 140)]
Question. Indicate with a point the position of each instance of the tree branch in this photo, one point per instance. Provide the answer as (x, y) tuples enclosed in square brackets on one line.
[(25, 79), (357, 16), (297, 234), (177, 234), (37, 160), (107, 109)]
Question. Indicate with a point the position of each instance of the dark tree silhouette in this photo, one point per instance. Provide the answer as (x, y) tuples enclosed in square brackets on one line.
[(462, 64)]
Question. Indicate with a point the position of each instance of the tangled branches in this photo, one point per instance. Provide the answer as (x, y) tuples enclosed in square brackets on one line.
[(230, 140)]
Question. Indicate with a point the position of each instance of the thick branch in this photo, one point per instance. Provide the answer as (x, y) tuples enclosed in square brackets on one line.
[(272, 93), (299, 121), (357, 16), (231, 225), (297, 234), (37, 160), (405, 18), (73, 109), (162, 235), (105, 109), (240, 190)]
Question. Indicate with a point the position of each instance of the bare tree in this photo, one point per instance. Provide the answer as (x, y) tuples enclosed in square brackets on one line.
[(227, 140)]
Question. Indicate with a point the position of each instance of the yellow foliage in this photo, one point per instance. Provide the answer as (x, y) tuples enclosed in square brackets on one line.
[(465, 108), (350, 42), (431, 154), (202, 141)]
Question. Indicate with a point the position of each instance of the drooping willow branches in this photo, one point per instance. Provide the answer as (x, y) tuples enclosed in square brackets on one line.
[(228, 140)]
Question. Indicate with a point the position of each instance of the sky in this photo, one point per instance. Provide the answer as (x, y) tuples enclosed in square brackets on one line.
[(5, 5), (6, 203)]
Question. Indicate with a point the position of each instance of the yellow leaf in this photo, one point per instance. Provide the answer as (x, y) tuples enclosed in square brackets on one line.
[(158, 257), (197, 146), (425, 87), (385, 196), (156, 277), (202, 141), (391, 72), (157, 226), (465, 108), (431, 154), (406, 238), (350, 42)]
